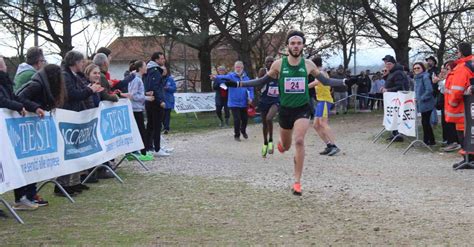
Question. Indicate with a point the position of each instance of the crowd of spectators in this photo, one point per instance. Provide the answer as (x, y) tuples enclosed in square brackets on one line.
[(81, 83)]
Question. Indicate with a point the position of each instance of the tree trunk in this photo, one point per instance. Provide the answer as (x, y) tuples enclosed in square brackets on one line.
[(246, 58), (345, 56), (441, 50), (245, 50), (205, 64), (403, 25), (400, 43), (66, 44), (401, 52), (204, 53)]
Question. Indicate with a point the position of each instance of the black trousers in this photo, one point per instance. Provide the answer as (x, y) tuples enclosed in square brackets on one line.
[(373, 102), (28, 190), (140, 119), (167, 119), (223, 104), (240, 120), (449, 130), (155, 116), (428, 136)]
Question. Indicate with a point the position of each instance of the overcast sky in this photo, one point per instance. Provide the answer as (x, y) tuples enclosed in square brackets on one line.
[(367, 54)]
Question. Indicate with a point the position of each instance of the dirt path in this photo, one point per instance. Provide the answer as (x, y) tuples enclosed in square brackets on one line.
[(374, 195)]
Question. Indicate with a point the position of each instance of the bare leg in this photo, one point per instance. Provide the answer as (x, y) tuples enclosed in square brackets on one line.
[(317, 125), (324, 131), (285, 138), (301, 127), (269, 119), (327, 130), (264, 127)]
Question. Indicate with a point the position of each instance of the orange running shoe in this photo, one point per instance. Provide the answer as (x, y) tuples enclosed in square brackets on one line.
[(280, 148), (297, 189)]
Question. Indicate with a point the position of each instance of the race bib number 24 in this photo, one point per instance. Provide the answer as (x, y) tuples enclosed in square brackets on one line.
[(295, 84)]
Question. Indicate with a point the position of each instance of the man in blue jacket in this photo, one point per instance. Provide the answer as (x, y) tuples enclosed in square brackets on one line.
[(238, 99), (170, 89), (154, 85)]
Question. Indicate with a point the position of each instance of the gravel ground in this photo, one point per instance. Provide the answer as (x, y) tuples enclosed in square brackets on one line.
[(406, 199)]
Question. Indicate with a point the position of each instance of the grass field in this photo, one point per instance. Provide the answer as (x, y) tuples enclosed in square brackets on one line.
[(154, 209), (164, 209)]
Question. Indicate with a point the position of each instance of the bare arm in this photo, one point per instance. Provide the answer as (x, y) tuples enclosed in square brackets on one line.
[(274, 71), (313, 84)]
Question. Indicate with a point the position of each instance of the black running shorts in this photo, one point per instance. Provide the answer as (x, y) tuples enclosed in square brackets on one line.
[(289, 115)]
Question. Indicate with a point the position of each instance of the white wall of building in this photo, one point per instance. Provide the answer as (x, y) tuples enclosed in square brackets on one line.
[(117, 69)]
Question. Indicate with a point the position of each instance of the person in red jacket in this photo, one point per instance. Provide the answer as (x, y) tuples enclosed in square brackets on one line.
[(457, 84)]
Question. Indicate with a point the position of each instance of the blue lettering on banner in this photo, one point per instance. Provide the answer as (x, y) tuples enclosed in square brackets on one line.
[(39, 164), (120, 142), (80, 140), (115, 121), (32, 136)]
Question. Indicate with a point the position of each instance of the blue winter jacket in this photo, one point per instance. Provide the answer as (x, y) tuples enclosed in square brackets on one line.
[(238, 97), (153, 81), (170, 89), (216, 85), (425, 100)]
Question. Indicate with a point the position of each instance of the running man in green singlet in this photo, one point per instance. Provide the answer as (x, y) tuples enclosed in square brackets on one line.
[(292, 73)]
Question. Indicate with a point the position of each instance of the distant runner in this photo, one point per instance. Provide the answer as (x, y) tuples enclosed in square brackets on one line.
[(268, 105), (321, 112)]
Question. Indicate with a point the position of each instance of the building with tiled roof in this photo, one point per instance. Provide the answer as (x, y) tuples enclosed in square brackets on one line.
[(125, 49)]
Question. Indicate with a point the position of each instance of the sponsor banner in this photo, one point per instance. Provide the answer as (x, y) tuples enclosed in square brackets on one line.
[(400, 112), (407, 114), (392, 103), (63, 142), (194, 102)]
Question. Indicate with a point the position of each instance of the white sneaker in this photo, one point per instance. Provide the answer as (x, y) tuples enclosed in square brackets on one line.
[(163, 140), (168, 149), (25, 204), (161, 153)]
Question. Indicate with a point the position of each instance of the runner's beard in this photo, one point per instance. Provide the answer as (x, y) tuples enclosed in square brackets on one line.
[(295, 55)]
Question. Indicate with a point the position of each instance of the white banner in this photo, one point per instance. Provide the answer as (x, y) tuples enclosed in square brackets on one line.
[(407, 114), (194, 102), (400, 112), (391, 103), (63, 142)]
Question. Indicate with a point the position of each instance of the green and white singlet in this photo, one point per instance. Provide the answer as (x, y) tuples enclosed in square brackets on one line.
[(293, 84)]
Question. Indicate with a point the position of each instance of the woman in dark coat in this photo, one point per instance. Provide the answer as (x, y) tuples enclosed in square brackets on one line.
[(26, 197), (79, 97), (44, 92)]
